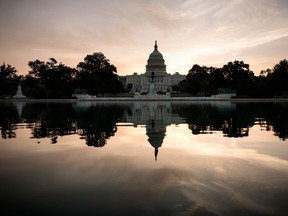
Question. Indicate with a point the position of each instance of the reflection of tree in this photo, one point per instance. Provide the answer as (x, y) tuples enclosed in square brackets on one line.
[(206, 118), (231, 130), (8, 119), (97, 123), (196, 129), (236, 123), (96, 138), (50, 120), (7, 131), (277, 116)]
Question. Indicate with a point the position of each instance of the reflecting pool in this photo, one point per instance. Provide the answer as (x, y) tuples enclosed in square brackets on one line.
[(143, 158)]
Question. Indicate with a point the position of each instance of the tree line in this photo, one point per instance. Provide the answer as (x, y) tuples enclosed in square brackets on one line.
[(98, 122), (96, 75), (236, 76), (51, 79)]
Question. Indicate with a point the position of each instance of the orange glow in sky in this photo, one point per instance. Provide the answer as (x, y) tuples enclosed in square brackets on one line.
[(209, 32)]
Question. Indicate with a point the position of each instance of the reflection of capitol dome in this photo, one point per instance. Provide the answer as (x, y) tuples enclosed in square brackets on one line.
[(156, 134), (156, 138)]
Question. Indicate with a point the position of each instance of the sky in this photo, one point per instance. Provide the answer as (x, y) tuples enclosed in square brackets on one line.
[(188, 32)]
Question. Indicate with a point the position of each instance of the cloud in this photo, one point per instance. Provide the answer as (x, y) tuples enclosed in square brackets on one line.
[(127, 182), (125, 30)]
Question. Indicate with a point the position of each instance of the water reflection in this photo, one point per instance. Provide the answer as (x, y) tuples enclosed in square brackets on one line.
[(8, 118), (211, 162), (96, 122), (155, 117)]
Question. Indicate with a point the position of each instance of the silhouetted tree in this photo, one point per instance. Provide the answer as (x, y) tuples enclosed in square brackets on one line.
[(32, 87), (278, 78), (50, 77), (207, 80), (197, 80), (178, 88), (97, 75), (263, 85), (238, 77), (8, 80), (216, 80)]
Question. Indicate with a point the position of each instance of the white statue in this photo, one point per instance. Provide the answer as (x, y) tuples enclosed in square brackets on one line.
[(19, 94)]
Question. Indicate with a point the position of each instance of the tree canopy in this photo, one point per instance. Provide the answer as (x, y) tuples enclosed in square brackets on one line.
[(238, 76), (8, 80), (197, 79), (51, 79), (97, 75), (277, 78)]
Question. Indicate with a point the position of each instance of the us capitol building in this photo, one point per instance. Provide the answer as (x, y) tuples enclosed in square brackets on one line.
[(156, 72)]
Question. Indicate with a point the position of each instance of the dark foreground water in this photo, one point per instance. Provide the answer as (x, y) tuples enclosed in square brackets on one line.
[(143, 158)]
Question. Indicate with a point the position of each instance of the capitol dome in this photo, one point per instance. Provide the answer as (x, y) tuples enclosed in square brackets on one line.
[(155, 75), (156, 60)]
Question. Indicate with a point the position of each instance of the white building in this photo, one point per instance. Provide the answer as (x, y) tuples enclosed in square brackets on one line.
[(156, 70)]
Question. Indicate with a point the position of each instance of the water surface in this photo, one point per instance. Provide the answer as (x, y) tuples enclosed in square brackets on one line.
[(91, 158)]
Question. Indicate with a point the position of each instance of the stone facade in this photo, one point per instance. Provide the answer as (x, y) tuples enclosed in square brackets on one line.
[(155, 65)]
